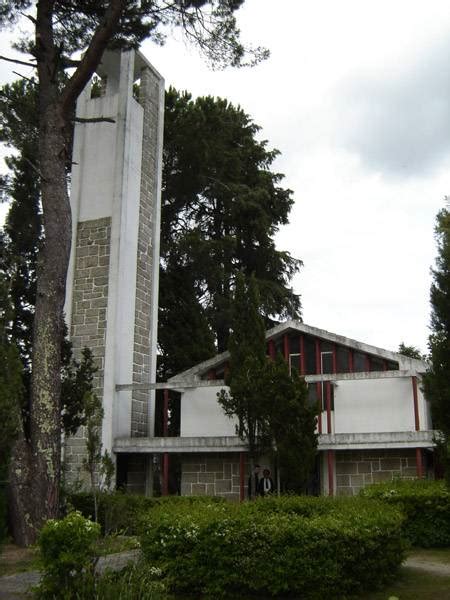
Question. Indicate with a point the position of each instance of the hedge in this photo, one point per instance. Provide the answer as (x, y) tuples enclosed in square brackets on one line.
[(121, 512), (425, 504), (314, 548)]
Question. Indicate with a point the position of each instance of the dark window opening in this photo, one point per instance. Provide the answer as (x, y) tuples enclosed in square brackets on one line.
[(343, 359), (310, 355), (359, 362)]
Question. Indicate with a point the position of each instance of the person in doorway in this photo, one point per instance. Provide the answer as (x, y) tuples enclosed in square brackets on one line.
[(266, 486), (253, 483)]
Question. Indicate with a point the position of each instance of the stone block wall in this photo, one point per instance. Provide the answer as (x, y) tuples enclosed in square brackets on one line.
[(356, 469), (147, 253), (90, 298), (212, 475)]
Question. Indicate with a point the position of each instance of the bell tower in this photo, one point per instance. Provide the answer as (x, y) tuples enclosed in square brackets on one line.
[(112, 285)]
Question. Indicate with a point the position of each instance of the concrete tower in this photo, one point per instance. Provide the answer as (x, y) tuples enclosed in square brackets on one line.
[(112, 285)]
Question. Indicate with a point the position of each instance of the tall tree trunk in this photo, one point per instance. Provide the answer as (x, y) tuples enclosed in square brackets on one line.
[(45, 432)]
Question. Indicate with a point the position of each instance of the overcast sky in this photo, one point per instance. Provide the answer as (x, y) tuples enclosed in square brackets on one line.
[(356, 96)]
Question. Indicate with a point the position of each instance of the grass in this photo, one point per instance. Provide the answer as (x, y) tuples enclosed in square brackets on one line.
[(14, 559), (439, 555), (413, 584)]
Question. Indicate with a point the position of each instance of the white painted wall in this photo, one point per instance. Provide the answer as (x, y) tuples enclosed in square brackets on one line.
[(202, 415), (373, 405)]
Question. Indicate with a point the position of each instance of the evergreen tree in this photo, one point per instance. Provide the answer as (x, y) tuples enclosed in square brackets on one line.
[(247, 348), (271, 406), (437, 378), (221, 207), (411, 351), (290, 423)]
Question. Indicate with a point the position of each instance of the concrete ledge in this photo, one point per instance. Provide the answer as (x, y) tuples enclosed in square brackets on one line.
[(380, 440), (179, 444), (334, 441)]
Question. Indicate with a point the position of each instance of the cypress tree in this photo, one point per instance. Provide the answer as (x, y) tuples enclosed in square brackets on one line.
[(437, 378)]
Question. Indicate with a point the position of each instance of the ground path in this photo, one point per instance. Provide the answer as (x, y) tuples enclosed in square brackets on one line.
[(16, 587)]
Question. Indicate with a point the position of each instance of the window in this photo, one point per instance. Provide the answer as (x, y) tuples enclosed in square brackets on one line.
[(326, 362), (343, 359), (294, 362), (310, 355), (359, 362)]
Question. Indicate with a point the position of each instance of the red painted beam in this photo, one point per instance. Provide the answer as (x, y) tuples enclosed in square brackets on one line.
[(241, 476), (318, 365), (330, 460), (302, 355), (416, 403), (286, 347), (166, 414), (328, 400), (319, 402), (165, 479), (367, 362), (272, 349)]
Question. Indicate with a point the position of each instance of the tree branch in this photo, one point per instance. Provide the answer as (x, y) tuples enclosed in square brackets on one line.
[(93, 120), (93, 54), (18, 62)]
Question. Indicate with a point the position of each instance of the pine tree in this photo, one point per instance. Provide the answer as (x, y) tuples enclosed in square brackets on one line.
[(437, 378), (221, 207)]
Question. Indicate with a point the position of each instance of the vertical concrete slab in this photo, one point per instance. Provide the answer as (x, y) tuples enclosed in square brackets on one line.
[(112, 286)]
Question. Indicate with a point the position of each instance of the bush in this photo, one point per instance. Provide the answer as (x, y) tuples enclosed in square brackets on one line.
[(136, 582), (119, 512), (425, 504), (66, 553), (3, 505), (314, 548)]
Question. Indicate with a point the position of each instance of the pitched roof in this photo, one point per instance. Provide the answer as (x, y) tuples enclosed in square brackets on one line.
[(405, 363)]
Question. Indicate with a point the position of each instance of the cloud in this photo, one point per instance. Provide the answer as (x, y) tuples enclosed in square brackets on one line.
[(398, 119)]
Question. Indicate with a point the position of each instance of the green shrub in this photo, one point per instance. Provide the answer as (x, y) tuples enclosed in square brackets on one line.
[(66, 553), (425, 504), (3, 505), (314, 548), (136, 582), (121, 512)]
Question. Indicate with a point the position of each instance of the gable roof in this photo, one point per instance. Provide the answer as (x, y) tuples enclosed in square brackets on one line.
[(405, 363)]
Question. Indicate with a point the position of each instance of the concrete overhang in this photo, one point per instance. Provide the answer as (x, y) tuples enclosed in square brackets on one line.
[(380, 440), (178, 445), (334, 441)]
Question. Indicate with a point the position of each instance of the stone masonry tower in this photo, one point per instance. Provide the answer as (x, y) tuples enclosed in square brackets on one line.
[(112, 285)]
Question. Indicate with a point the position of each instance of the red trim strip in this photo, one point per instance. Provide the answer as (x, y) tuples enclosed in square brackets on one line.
[(416, 403), (318, 366), (419, 463), (165, 481), (241, 476), (286, 347), (330, 472), (166, 414), (319, 402), (272, 349), (328, 397), (302, 355)]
